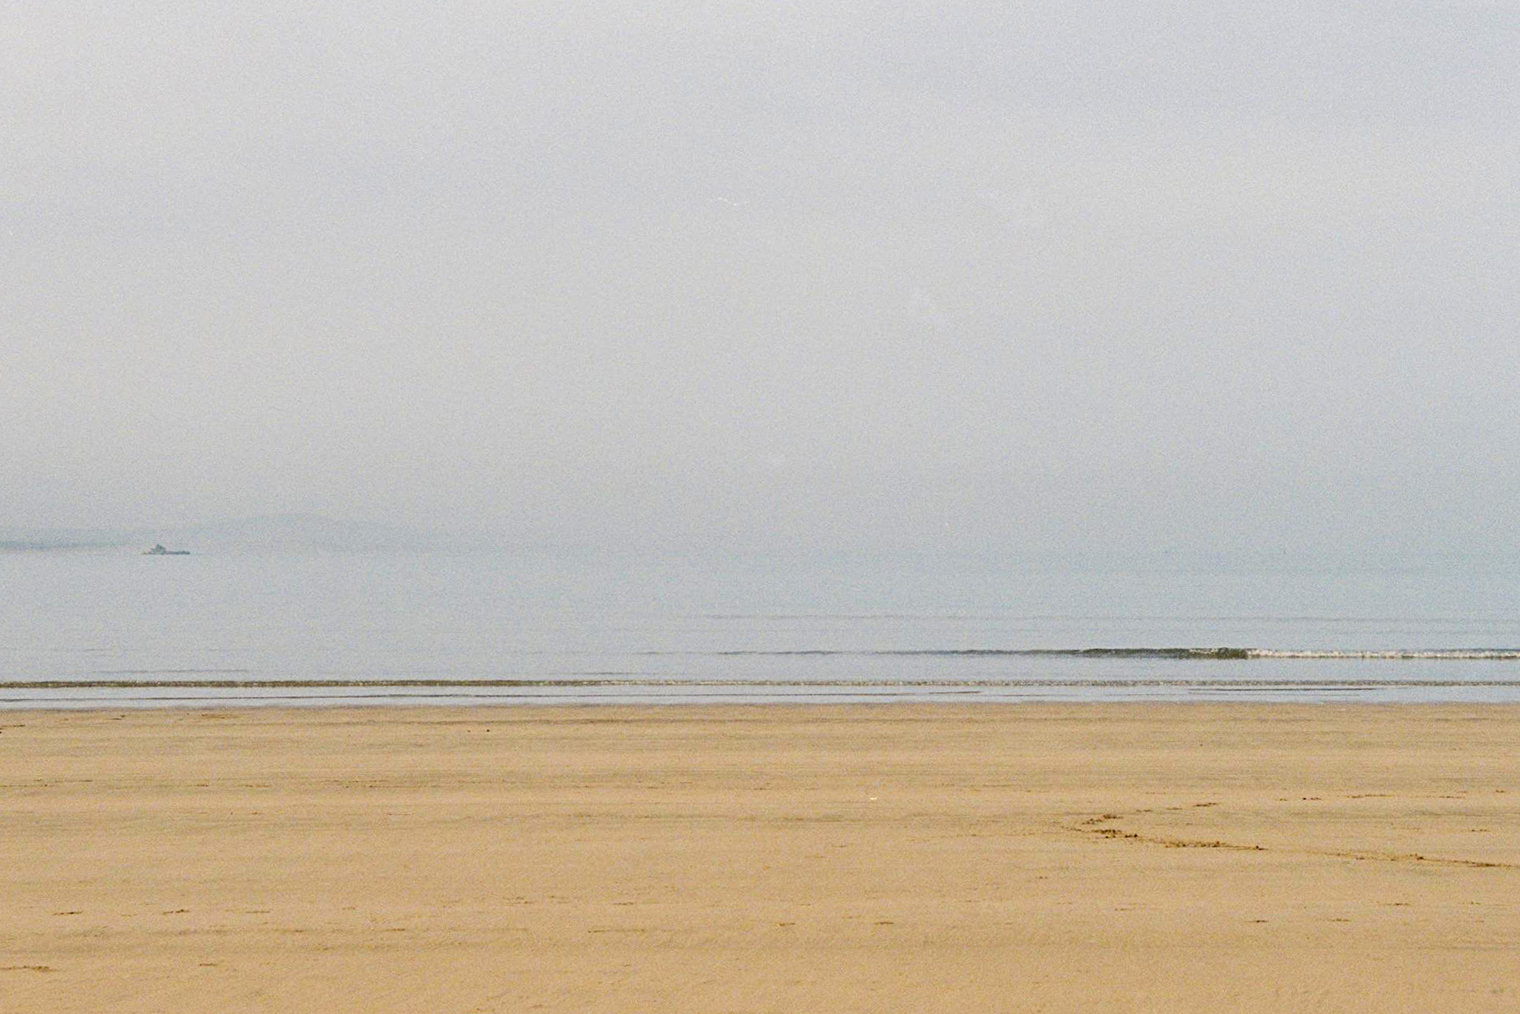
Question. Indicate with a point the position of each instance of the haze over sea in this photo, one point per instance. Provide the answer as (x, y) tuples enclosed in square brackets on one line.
[(871, 346), (286, 626)]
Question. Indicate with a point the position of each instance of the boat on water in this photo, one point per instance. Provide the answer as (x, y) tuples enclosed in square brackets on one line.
[(159, 550)]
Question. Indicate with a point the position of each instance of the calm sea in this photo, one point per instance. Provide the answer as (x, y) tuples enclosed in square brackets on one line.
[(118, 630)]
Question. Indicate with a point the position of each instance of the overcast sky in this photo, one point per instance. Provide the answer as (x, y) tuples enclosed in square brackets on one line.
[(972, 274)]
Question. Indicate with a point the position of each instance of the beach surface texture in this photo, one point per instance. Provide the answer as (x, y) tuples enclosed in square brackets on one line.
[(1117, 858)]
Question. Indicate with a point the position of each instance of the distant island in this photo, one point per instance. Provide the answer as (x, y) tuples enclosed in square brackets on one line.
[(276, 533)]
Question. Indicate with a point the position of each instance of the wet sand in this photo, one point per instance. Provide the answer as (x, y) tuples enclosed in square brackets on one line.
[(778, 858)]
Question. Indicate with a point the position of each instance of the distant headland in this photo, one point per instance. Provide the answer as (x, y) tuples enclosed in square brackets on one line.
[(264, 534)]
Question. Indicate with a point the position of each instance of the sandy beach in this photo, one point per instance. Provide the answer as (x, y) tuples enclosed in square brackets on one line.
[(882, 858)]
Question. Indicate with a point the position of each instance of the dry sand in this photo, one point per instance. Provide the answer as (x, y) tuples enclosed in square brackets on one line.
[(895, 858)]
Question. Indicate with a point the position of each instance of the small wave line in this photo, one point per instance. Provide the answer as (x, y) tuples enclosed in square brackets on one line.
[(508, 684), (1199, 654)]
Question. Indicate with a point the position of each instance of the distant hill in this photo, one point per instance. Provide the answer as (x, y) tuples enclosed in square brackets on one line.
[(43, 541), (314, 532), (265, 534)]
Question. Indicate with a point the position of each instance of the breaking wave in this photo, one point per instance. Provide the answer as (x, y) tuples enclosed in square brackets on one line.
[(1433, 654)]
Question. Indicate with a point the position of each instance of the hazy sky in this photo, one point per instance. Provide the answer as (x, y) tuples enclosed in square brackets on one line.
[(981, 274)]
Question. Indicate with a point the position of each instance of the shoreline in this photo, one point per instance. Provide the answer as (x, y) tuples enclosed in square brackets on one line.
[(542, 710), (64, 697)]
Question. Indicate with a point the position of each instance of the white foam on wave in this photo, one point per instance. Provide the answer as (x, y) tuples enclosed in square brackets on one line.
[(1443, 654)]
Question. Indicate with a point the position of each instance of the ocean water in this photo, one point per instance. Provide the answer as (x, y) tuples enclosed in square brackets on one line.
[(118, 630)]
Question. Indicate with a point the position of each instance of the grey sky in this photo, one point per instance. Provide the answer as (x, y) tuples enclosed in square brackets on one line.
[(1029, 275)]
